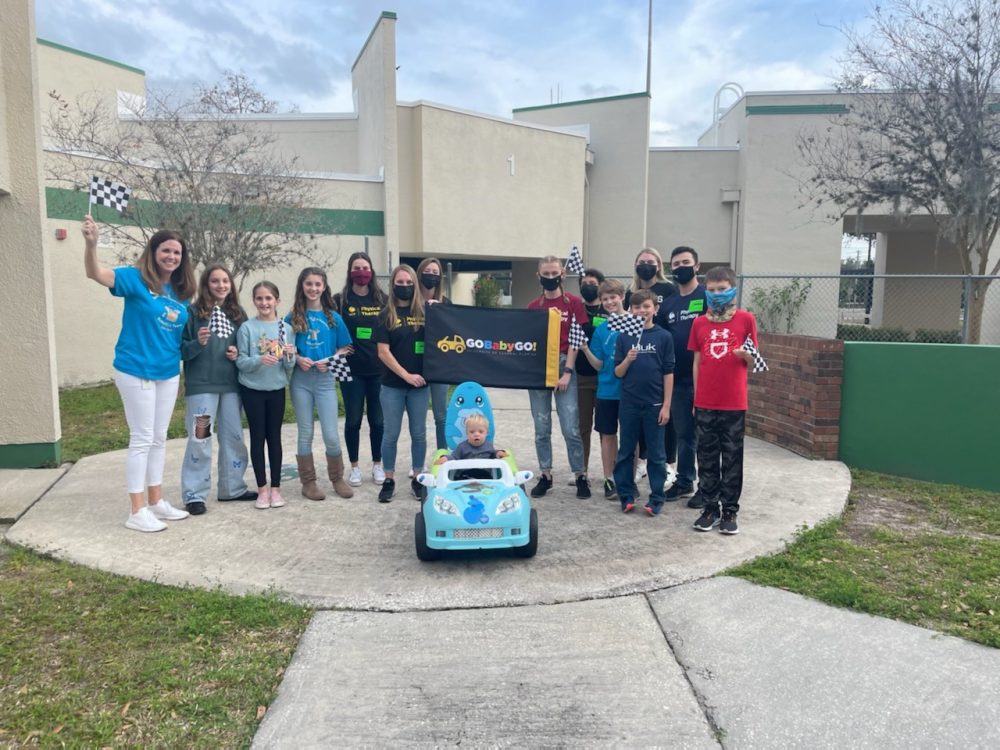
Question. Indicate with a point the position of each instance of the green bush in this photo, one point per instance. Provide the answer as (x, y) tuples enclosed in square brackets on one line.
[(486, 292), (933, 336), (864, 333)]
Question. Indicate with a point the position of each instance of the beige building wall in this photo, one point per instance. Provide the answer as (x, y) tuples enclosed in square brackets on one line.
[(497, 188), (688, 192), (616, 199), (29, 422), (373, 77)]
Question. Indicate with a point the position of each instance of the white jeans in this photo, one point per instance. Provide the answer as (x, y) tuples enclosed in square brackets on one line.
[(148, 406)]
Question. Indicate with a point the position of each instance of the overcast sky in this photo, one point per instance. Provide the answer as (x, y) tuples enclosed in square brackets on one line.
[(485, 55)]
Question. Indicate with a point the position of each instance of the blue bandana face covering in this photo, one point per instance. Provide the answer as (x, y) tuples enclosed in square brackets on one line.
[(718, 300)]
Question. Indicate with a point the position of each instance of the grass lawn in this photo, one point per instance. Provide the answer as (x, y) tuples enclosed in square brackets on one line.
[(89, 659), (923, 553)]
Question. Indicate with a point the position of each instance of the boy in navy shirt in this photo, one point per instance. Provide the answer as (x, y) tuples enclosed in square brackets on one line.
[(645, 364)]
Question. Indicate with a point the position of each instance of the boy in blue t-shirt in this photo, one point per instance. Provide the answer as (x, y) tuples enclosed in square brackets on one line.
[(645, 364), (600, 352)]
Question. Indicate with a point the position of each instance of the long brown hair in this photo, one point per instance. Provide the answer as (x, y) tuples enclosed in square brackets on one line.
[(182, 279), (376, 291), (439, 290), (416, 304), (204, 302), (325, 300)]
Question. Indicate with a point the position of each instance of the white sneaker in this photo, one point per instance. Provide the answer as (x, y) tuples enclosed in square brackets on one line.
[(378, 474), (167, 512), (640, 470), (354, 478), (144, 520)]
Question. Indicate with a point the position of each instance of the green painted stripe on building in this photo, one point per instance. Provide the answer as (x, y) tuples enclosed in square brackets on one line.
[(81, 53), (71, 205), (389, 14), (584, 101), (797, 109), (927, 411), (30, 455), (994, 108)]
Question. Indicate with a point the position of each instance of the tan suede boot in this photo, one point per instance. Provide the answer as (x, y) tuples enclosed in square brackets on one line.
[(307, 475), (335, 468)]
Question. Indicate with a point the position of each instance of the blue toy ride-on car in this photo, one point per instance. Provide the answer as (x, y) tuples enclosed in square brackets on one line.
[(475, 503)]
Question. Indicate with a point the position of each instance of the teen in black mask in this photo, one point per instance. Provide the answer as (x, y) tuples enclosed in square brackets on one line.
[(586, 381), (432, 291)]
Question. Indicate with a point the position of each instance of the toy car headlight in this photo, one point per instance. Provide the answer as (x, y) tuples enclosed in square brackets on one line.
[(445, 506), (509, 504)]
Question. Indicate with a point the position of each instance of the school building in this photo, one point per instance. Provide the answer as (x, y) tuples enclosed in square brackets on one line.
[(482, 193)]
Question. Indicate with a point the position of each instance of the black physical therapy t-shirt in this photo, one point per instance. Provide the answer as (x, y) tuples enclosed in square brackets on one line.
[(595, 316), (360, 313), (678, 313), (406, 342)]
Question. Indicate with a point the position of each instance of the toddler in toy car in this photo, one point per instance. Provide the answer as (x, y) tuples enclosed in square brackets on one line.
[(475, 445)]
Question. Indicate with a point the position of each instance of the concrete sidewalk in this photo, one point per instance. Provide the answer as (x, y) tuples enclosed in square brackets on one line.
[(611, 636)]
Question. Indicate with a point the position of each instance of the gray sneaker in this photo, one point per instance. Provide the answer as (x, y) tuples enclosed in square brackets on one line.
[(708, 520)]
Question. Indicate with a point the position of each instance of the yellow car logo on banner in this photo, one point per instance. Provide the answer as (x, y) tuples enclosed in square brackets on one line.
[(455, 344)]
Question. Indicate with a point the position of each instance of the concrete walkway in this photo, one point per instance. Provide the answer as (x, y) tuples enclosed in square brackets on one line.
[(593, 642)]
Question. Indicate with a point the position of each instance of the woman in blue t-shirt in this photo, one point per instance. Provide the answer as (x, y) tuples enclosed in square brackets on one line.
[(147, 360), (320, 333)]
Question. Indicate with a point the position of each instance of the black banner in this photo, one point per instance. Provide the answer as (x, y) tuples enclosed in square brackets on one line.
[(501, 348)]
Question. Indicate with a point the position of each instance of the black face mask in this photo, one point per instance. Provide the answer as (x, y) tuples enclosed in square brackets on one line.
[(645, 271), (683, 274), (550, 285), (404, 293), (430, 280), (588, 292)]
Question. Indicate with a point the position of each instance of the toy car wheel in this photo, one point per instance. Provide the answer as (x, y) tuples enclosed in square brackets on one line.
[(424, 553), (531, 547)]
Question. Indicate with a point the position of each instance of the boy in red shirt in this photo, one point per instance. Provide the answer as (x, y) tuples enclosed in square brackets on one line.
[(720, 399)]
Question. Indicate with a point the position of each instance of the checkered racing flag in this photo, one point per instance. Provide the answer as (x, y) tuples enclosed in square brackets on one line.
[(337, 364), (219, 324), (109, 193), (281, 332), (627, 323), (577, 337), (759, 365), (574, 263)]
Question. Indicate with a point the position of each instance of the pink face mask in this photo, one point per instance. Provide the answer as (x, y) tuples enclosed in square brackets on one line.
[(361, 277)]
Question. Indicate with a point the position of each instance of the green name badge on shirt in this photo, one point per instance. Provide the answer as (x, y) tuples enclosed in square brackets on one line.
[(418, 347), (364, 333), (696, 305), (598, 320)]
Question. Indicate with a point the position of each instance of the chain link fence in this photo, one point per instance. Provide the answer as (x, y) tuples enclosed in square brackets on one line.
[(941, 309)]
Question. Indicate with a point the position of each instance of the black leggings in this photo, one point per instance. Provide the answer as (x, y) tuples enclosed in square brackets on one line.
[(265, 411), (356, 392)]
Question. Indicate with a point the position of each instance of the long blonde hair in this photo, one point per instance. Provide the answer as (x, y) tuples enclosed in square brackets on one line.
[(636, 281), (416, 304), (552, 259)]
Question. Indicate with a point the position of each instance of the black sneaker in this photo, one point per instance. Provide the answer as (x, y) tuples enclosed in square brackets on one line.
[(728, 524), (696, 500), (677, 491), (388, 489), (582, 487), (609, 489), (708, 520), (419, 491), (543, 486), (195, 507)]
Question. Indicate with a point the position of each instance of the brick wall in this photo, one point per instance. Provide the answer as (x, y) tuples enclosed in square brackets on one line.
[(796, 404)]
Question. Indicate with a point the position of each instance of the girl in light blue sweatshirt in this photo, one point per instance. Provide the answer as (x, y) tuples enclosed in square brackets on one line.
[(265, 358)]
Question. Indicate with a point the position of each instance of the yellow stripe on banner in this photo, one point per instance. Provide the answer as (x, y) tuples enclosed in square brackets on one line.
[(552, 348)]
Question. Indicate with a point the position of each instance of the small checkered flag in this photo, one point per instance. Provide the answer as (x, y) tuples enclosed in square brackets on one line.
[(109, 193), (219, 324), (577, 337), (574, 263), (337, 364), (759, 365), (627, 323), (281, 332)]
